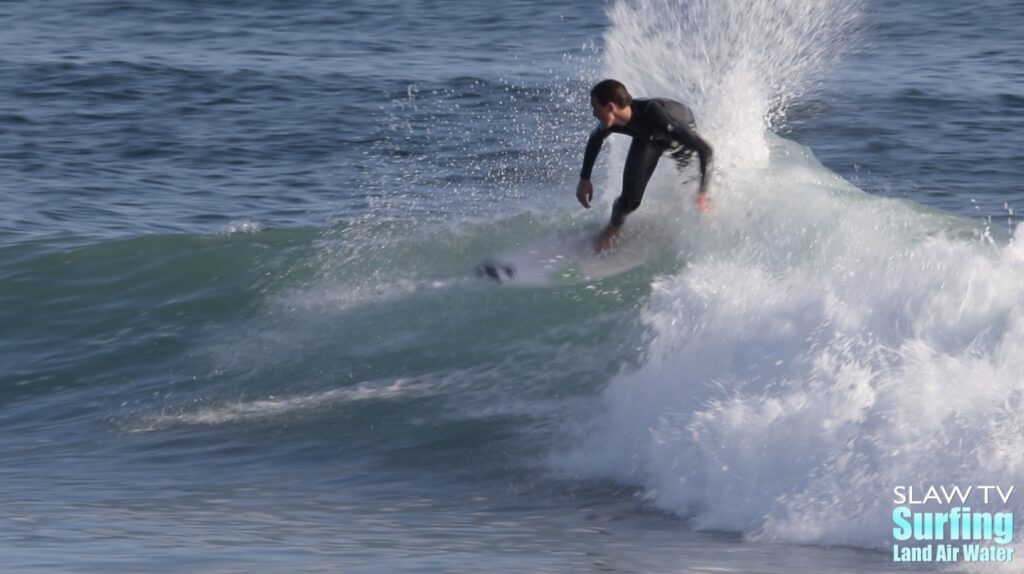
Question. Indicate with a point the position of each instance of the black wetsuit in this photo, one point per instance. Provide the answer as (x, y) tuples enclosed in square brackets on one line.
[(657, 126)]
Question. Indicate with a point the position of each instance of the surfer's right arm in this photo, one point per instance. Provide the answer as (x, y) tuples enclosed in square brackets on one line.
[(585, 190)]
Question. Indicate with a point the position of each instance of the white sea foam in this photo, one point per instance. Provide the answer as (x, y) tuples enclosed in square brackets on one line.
[(822, 345), (241, 226), (273, 406)]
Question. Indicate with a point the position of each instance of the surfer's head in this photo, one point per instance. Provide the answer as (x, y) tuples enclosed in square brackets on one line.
[(610, 101)]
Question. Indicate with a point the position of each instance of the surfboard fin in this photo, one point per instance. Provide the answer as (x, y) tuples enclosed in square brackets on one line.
[(496, 271)]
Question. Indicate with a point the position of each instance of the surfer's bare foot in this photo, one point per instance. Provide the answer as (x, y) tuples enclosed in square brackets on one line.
[(606, 238)]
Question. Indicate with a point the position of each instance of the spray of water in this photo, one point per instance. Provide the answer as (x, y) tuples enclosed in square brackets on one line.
[(739, 64)]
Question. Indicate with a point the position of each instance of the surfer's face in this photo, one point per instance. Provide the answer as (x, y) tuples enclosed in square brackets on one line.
[(604, 113)]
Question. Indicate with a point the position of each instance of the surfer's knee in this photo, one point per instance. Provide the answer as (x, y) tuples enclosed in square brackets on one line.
[(621, 208)]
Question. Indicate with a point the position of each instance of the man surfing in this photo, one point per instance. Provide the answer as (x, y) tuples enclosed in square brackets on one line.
[(658, 126)]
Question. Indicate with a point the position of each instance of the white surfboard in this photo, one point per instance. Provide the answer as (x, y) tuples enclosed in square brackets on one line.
[(569, 258)]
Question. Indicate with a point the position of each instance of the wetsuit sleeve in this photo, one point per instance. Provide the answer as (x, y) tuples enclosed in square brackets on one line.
[(594, 144), (691, 139), (682, 131)]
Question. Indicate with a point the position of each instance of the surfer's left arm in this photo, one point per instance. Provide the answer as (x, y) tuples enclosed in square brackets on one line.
[(692, 140), (681, 129)]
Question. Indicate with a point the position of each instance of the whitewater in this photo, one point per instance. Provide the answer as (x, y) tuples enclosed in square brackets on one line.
[(819, 345)]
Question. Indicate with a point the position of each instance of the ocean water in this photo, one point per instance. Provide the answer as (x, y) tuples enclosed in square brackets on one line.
[(241, 331)]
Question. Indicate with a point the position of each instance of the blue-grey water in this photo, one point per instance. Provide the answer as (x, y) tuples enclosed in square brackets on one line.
[(241, 331)]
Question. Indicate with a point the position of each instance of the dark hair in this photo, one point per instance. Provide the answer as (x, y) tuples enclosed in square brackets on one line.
[(611, 91)]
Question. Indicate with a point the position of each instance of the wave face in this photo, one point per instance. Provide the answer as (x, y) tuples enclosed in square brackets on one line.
[(820, 345)]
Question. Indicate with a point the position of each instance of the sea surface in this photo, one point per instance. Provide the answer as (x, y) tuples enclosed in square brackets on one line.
[(240, 328)]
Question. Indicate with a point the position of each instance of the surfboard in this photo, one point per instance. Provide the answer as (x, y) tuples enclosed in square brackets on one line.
[(568, 258)]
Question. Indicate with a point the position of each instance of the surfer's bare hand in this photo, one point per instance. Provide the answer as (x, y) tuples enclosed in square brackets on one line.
[(703, 202), (585, 192)]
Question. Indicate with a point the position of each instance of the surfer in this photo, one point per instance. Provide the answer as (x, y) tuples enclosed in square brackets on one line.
[(658, 126)]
